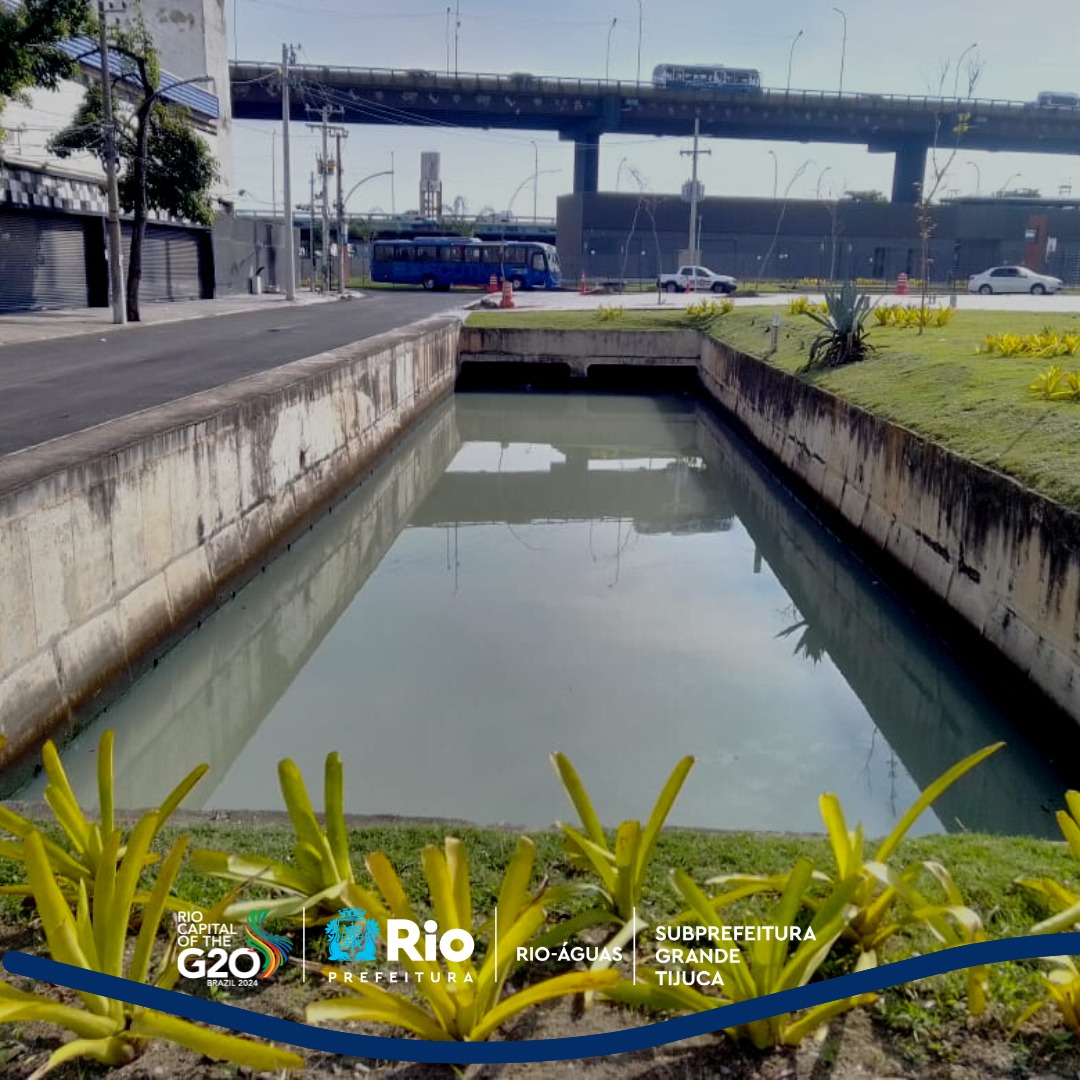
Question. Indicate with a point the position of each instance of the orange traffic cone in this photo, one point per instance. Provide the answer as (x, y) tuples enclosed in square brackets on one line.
[(507, 295), (584, 287), (493, 284)]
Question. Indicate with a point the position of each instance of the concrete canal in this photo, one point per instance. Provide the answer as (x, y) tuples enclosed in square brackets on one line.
[(616, 577)]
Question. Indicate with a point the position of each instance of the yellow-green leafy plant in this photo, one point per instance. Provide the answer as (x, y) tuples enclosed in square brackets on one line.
[(1063, 901), (610, 312), (879, 911), (320, 879), (702, 311), (80, 860), (463, 999), (621, 868), (94, 938), (765, 966), (798, 305), (1056, 385), (1062, 988), (1044, 345), (952, 923)]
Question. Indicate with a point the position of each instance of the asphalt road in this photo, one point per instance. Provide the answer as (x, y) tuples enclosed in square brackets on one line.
[(54, 388)]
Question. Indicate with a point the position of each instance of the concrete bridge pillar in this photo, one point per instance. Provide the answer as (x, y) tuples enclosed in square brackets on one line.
[(586, 162), (909, 170)]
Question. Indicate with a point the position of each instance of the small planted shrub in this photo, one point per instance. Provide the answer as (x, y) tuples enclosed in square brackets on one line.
[(470, 1006), (907, 316), (80, 862), (1044, 345), (1056, 385), (320, 877), (843, 340), (94, 938), (765, 966), (705, 310), (610, 312), (620, 871), (1061, 899)]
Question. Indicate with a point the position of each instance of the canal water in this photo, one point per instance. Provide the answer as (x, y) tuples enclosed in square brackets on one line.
[(614, 577)]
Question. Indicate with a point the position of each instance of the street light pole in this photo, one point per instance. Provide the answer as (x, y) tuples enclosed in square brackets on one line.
[(536, 174), (287, 57), (843, 48), (775, 172), (640, 22), (978, 176), (791, 58), (828, 168), (116, 253), (607, 62)]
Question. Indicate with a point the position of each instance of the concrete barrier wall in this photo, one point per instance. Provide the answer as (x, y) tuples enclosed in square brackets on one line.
[(580, 349), (1003, 558), (113, 541)]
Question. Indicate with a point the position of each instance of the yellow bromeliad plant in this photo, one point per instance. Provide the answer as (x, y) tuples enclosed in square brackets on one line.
[(320, 879), (878, 896), (81, 861), (767, 965), (459, 999), (94, 937), (1063, 901), (620, 869)]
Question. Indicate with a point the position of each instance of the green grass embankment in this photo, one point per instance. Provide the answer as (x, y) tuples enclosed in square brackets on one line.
[(935, 384)]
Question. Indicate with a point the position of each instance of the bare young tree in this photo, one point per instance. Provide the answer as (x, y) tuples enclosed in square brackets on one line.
[(780, 219), (951, 123)]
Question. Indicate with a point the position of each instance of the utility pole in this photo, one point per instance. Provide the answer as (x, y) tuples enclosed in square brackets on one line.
[(288, 56), (324, 168), (457, 27), (311, 227), (695, 254), (342, 238), (116, 251)]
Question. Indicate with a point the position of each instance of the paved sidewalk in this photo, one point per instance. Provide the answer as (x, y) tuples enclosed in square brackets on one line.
[(24, 328)]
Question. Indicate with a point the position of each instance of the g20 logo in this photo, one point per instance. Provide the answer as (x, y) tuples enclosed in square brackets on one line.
[(218, 963)]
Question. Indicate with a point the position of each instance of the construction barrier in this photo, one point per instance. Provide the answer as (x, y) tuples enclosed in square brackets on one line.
[(901, 284), (507, 296), (493, 284)]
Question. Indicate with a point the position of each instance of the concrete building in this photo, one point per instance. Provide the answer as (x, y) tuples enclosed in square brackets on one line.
[(52, 210), (613, 236)]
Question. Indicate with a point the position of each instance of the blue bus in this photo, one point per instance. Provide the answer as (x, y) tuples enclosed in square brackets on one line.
[(442, 262)]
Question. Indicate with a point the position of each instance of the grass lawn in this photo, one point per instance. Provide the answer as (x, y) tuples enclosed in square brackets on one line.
[(934, 384)]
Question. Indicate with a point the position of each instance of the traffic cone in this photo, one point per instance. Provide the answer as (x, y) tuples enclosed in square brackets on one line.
[(493, 284), (507, 295), (584, 287)]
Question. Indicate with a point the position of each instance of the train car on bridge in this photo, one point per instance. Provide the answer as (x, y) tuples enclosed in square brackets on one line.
[(701, 77), (442, 262)]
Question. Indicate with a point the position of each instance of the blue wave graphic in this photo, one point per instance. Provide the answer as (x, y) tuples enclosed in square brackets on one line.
[(646, 1037)]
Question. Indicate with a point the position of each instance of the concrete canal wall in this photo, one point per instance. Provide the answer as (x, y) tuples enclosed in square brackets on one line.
[(1001, 557), (114, 541)]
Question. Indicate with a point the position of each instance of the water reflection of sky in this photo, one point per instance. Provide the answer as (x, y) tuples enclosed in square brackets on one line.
[(612, 602)]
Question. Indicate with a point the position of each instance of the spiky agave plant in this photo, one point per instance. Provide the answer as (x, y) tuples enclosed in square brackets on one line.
[(843, 340)]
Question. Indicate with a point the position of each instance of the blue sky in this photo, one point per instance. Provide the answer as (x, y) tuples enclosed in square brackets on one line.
[(890, 48)]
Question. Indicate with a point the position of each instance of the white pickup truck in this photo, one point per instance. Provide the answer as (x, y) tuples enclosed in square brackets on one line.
[(696, 279)]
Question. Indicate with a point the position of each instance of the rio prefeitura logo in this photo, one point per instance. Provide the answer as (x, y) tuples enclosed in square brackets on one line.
[(352, 936)]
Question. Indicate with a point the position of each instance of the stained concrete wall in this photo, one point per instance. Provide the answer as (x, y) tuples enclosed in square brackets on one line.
[(113, 541), (580, 349), (1003, 558)]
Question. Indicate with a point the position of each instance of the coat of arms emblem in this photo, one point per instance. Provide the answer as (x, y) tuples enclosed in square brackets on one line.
[(352, 935)]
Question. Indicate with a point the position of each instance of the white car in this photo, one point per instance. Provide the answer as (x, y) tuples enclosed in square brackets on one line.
[(1013, 279), (696, 279)]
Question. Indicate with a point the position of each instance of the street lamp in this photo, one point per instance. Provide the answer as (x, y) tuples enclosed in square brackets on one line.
[(775, 172), (791, 57), (640, 21), (618, 172), (843, 47), (607, 61), (1005, 186), (536, 174), (828, 168), (371, 176), (956, 76), (530, 179), (978, 176)]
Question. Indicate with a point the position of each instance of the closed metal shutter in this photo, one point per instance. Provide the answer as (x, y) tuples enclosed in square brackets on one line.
[(170, 263), (42, 262)]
